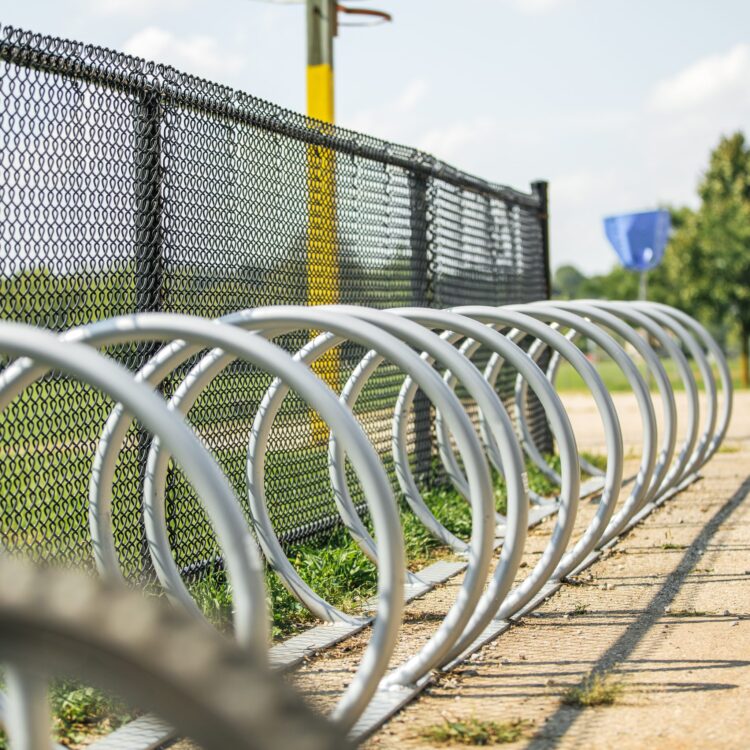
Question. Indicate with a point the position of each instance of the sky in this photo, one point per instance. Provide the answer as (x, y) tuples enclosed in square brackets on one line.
[(616, 103)]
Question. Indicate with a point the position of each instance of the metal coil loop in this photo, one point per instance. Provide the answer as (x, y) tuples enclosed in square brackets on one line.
[(440, 352)]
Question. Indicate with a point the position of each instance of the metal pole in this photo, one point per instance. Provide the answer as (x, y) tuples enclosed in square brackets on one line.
[(322, 243), (422, 296), (148, 240), (541, 191), (28, 715), (149, 269), (321, 28), (543, 436)]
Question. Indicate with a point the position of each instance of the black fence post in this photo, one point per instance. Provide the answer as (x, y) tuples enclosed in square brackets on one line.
[(541, 430), (148, 238), (422, 296), (148, 269), (541, 191)]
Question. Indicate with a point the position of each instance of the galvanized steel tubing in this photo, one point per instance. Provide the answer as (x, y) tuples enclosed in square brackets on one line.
[(436, 352), (148, 654)]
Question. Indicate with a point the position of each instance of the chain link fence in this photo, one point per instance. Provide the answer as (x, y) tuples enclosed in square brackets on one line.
[(128, 186)]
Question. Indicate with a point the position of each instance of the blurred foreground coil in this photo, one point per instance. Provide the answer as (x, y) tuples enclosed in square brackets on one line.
[(455, 358)]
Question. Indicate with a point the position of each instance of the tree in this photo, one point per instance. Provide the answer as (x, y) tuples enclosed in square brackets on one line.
[(708, 259), (706, 266), (622, 283), (619, 283), (567, 281)]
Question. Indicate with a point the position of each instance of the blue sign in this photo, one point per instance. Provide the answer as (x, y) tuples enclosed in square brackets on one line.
[(639, 239)]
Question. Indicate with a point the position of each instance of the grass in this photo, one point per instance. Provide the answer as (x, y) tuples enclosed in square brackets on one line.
[(596, 690), (475, 732), (80, 713), (579, 609), (728, 448), (685, 613), (334, 566), (51, 432), (614, 378), (672, 545)]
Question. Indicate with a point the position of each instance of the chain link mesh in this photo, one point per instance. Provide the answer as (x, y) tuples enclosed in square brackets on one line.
[(128, 186)]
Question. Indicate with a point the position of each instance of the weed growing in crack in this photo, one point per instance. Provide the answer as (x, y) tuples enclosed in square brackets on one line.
[(79, 713), (684, 613), (475, 732), (596, 690), (579, 609)]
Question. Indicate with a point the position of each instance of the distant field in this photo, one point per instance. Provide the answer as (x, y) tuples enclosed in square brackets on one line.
[(569, 380)]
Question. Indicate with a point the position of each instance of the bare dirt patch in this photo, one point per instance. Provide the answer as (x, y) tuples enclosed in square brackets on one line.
[(666, 616)]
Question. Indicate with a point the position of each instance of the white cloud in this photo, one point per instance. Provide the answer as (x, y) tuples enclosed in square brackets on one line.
[(578, 201), (448, 143), (394, 119), (717, 77), (136, 8), (414, 93), (198, 53), (655, 156)]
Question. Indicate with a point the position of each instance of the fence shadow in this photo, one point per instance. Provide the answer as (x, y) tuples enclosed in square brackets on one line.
[(564, 717)]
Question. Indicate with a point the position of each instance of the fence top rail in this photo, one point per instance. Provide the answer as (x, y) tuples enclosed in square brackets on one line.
[(115, 70)]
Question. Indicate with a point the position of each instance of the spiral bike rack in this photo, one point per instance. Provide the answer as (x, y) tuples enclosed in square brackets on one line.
[(55, 623), (25, 705), (669, 319), (435, 351)]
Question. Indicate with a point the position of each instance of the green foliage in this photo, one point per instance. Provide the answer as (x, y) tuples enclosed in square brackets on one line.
[(80, 711), (339, 568), (615, 380), (475, 732), (47, 296), (540, 482), (76, 704), (685, 613), (706, 266), (336, 569), (709, 260), (567, 282), (619, 283), (596, 690), (213, 594), (54, 300), (333, 566)]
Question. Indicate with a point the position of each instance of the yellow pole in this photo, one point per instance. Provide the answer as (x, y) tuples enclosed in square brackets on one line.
[(322, 242), (320, 92)]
